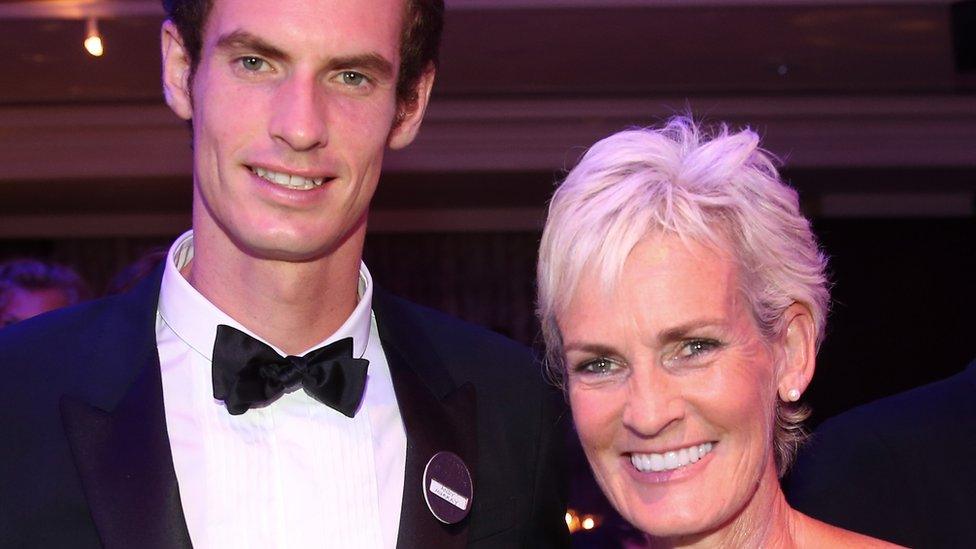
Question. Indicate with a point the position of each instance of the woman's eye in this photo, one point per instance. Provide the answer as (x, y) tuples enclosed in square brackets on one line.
[(353, 78), (600, 366), (253, 64), (697, 347)]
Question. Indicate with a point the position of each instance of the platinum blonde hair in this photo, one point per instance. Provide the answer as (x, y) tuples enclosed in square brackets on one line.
[(717, 188)]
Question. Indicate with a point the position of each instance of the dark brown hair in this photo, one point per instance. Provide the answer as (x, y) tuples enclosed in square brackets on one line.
[(419, 39)]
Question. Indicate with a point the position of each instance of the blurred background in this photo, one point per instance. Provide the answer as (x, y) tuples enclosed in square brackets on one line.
[(871, 105)]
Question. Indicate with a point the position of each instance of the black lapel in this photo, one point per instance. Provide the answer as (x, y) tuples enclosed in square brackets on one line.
[(122, 451), (438, 416)]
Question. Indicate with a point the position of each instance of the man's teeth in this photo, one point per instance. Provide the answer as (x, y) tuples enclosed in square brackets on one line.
[(670, 460), (287, 180)]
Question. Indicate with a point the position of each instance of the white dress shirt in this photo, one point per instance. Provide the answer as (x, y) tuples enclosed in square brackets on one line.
[(292, 474)]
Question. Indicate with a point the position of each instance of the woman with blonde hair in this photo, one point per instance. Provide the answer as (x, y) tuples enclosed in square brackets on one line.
[(682, 296)]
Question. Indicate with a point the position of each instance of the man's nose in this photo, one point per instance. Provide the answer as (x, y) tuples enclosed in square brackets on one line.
[(299, 114), (654, 402)]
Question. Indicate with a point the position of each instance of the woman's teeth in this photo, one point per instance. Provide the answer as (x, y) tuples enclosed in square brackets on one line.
[(287, 180), (670, 460)]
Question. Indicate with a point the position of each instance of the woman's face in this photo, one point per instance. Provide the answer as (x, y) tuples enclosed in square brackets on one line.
[(672, 389)]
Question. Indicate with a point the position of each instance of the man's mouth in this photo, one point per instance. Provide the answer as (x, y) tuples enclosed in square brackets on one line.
[(670, 460), (290, 181)]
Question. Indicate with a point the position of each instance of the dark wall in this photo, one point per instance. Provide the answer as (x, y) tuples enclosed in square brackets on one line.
[(904, 308)]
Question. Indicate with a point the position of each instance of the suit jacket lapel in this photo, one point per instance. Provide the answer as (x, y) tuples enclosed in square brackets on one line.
[(122, 449), (438, 416)]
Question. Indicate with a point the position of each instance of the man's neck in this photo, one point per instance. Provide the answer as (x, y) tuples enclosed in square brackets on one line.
[(292, 305)]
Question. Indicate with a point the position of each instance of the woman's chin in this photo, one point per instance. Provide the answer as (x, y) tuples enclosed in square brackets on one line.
[(671, 504)]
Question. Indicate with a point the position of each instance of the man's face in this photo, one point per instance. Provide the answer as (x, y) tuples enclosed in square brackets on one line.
[(293, 104)]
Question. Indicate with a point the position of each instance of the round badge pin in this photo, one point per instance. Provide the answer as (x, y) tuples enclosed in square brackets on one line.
[(448, 489)]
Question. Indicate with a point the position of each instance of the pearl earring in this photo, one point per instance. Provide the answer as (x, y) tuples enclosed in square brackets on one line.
[(793, 395)]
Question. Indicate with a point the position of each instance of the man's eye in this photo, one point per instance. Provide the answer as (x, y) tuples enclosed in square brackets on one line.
[(352, 78), (253, 64)]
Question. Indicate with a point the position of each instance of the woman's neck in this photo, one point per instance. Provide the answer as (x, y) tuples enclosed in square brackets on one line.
[(765, 521)]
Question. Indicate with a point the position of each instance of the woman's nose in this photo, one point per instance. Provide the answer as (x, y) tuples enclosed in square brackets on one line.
[(654, 403)]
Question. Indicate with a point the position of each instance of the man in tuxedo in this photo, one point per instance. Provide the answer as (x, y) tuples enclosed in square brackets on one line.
[(900, 469), (258, 390)]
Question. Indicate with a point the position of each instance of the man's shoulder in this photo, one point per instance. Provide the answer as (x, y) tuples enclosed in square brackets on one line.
[(468, 351), (446, 333), (78, 350), (53, 332), (86, 325)]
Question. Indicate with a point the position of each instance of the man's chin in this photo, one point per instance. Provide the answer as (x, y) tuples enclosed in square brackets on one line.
[(283, 252)]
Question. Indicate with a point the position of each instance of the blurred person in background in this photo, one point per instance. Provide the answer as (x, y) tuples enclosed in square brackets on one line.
[(130, 275), (683, 298), (29, 287)]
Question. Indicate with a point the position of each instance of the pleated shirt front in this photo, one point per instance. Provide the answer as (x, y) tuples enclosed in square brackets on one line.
[(294, 473)]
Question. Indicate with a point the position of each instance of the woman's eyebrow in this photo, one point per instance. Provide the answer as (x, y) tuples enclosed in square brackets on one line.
[(591, 348), (683, 331)]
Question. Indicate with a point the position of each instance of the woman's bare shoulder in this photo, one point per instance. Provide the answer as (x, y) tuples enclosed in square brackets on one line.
[(820, 534)]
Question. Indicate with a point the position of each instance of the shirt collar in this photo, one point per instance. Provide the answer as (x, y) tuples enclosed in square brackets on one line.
[(194, 319)]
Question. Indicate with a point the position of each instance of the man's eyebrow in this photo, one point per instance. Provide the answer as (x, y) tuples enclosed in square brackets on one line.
[(245, 41), (241, 40), (373, 63)]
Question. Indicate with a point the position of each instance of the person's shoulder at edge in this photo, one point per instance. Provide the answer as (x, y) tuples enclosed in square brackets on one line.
[(903, 414), (844, 474)]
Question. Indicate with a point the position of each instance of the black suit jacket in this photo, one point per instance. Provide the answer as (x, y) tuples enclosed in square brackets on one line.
[(901, 469), (86, 460)]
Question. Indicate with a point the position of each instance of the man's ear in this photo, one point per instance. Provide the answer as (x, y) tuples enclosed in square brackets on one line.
[(800, 353), (409, 116), (176, 72)]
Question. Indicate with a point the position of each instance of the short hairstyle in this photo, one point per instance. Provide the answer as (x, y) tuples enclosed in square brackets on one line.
[(34, 275), (420, 38), (717, 188)]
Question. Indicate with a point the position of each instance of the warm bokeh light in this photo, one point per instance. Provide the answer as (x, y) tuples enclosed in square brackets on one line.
[(576, 522), (572, 521), (94, 45), (93, 40)]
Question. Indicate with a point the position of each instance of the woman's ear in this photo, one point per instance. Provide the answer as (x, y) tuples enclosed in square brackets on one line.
[(800, 353), (176, 72)]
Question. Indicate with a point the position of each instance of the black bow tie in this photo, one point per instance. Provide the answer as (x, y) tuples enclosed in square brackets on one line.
[(247, 372)]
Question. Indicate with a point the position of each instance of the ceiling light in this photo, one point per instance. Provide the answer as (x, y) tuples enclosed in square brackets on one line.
[(93, 40)]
